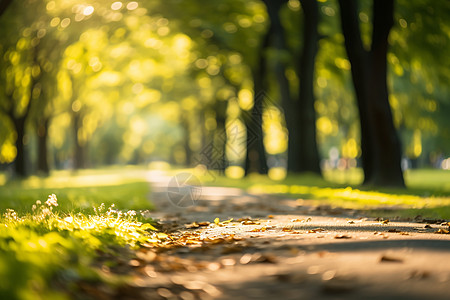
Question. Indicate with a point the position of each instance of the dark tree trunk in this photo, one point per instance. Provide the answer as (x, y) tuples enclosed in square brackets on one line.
[(308, 155), (78, 157), (387, 157), (381, 153), (20, 161), (360, 75), (300, 115), (278, 41), (187, 141), (20, 168), (255, 159), (42, 135), (221, 135)]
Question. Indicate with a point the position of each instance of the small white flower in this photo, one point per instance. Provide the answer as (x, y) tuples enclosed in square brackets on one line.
[(131, 213), (52, 200), (46, 212)]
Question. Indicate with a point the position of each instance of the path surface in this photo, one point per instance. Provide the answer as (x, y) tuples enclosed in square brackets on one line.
[(276, 248)]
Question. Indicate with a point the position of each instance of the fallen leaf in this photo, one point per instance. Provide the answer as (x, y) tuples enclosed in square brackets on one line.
[(250, 222), (419, 274), (315, 230), (262, 229), (442, 231), (342, 236), (264, 258), (297, 220), (386, 258), (192, 225), (203, 223)]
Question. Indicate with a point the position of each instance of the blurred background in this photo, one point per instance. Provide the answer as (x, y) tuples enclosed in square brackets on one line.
[(88, 84)]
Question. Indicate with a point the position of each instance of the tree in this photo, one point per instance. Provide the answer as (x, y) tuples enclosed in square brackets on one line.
[(308, 156), (300, 114), (21, 65), (381, 150), (255, 159)]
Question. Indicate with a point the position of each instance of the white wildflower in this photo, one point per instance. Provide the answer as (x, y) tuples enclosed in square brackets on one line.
[(131, 213), (46, 212), (52, 200)]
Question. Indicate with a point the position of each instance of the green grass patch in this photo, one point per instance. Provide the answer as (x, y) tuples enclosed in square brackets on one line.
[(48, 244), (126, 188), (428, 192)]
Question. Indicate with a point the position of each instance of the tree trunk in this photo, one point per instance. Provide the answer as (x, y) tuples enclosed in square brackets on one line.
[(20, 160), (381, 154), (308, 155), (42, 135), (300, 115), (360, 75), (78, 157), (186, 140), (221, 135), (278, 41), (387, 157), (255, 158)]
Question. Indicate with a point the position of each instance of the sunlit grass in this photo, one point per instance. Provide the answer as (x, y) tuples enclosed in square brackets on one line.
[(428, 192), (127, 188), (50, 248), (47, 242)]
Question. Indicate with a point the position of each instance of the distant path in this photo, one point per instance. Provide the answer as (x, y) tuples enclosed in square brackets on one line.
[(279, 249)]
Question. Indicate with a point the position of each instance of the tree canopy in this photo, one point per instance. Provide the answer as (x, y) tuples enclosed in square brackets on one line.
[(111, 82)]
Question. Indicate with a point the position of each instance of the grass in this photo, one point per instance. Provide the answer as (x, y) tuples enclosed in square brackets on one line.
[(126, 188), (428, 192), (48, 244)]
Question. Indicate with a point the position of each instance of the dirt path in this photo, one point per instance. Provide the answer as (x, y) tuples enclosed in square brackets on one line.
[(276, 248)]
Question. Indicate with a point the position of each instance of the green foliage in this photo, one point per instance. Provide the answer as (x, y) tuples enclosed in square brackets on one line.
[(47, 250), (143, 81), (48, 245)]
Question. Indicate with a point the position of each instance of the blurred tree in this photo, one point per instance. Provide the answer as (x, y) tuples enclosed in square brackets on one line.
[(300, 115), (4, 5), (308, 156), (381, 151)]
